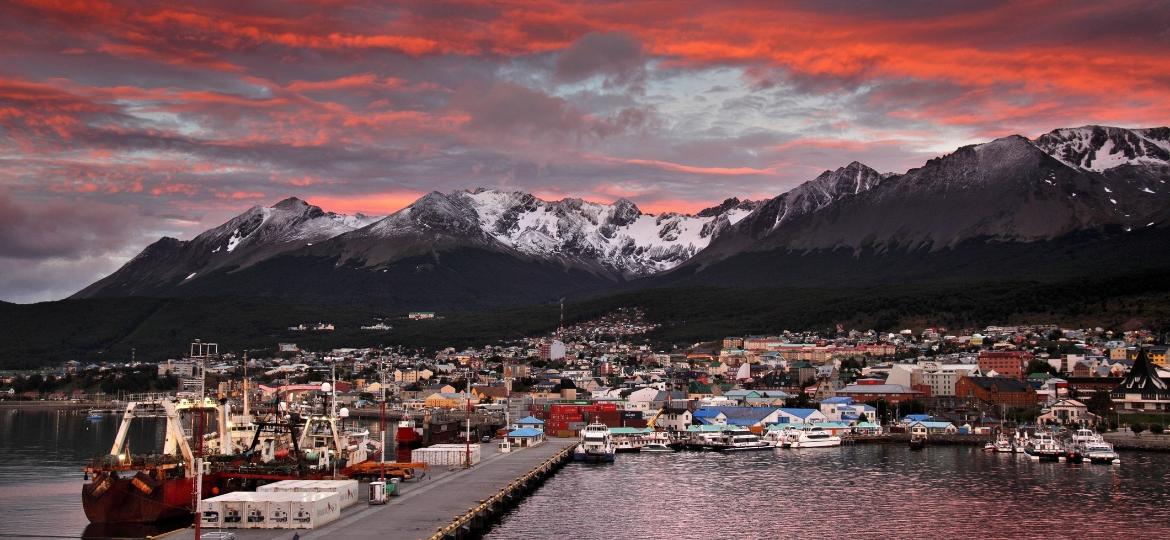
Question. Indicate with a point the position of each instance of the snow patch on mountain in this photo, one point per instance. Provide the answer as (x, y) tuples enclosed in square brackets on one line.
[(1100, 148)]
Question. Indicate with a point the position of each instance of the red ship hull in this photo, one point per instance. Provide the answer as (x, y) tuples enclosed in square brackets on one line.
[(122, 501)]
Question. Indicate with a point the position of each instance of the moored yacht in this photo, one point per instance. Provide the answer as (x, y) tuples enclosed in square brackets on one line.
[(738, 440), (1044, 447), (813, 437)]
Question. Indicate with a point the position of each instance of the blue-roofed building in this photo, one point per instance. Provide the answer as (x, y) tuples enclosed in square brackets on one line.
[(911, 418), (736, 416), (925, 427), (530, 422), (843, 409), (525, 437)]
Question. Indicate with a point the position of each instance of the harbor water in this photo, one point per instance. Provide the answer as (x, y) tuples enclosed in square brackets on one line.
[(43, 453), (862, 491)]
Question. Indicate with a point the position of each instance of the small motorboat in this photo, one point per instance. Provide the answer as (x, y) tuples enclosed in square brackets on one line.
[(917, 442), (657, 448)]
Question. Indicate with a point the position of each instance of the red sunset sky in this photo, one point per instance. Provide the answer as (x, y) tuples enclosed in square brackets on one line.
[(124, 121)]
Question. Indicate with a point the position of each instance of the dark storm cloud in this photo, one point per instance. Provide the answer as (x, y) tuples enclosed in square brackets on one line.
[(59, 229)]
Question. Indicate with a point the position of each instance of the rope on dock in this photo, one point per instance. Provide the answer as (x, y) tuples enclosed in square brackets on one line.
[(487, 506)]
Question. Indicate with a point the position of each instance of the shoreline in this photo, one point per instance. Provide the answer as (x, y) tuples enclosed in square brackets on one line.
[(52, 405)]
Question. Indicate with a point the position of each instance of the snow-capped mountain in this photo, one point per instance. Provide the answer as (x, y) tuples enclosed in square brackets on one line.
[(1096, 195), (258, 234), (615, 239), (1099, 148), (809, 197), (1005, 198)]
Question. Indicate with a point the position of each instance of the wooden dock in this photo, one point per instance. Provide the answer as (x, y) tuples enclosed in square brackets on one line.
[(445, 504)]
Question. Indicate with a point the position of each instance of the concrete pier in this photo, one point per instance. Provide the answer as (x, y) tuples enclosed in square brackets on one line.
[(445, 503)]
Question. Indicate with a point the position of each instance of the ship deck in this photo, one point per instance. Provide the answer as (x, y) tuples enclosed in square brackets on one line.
[(422, 507)]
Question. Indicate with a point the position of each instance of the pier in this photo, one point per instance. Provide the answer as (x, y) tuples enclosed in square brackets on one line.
[(446, 504)]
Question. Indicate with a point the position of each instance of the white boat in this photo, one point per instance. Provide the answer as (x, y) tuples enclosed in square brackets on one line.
[(1089, 445), (1044, 447), (1002, 445), (813, 437), (739, 440), (1082, 436), (779, 438), (627, 444), (1098, 451), (596, 446), (656, 448)]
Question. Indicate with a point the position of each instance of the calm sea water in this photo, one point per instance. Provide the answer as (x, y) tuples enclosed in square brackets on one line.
[(42, 454), (865, 491), (857, 491)]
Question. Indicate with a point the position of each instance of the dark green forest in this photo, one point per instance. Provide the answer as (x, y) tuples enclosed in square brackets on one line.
[(107, 329)]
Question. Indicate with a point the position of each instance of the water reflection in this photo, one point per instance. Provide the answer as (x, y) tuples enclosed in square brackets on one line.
[(857, 492)]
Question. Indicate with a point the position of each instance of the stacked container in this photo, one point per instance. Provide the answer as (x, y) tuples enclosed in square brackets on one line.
[(270, 510), (445, 455), (346, 490)]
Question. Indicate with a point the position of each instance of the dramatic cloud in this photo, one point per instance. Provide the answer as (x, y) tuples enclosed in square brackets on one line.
[(121, 121), (616, 56)]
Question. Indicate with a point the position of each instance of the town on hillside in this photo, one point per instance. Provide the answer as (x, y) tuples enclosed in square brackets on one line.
[(605, 370)]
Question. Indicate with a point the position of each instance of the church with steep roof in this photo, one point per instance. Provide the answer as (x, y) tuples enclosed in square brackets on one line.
[(1143, 390)]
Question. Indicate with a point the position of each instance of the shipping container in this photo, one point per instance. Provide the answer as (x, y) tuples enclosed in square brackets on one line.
[(209, 514), (312, 510), (225, 511), (450, 455), (278, 512), (233, 512), (346, 490), (256, 513), (271, 509)]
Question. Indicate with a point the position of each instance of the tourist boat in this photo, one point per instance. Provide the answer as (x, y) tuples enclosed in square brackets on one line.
[(657, 448), (1044, 447), (626, 444), (1086, 444), (595, 446), (1098, 451), (739, 440), (917, 442), (813, 437), (702, 440)]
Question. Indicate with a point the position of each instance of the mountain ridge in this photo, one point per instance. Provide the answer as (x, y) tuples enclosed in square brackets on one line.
[(1094, 179)]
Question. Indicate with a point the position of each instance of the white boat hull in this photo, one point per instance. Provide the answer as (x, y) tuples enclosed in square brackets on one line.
[(822, 443)]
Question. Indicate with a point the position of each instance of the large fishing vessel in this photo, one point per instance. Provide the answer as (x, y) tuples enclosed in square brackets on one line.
[(238, 454), (128, 488)]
